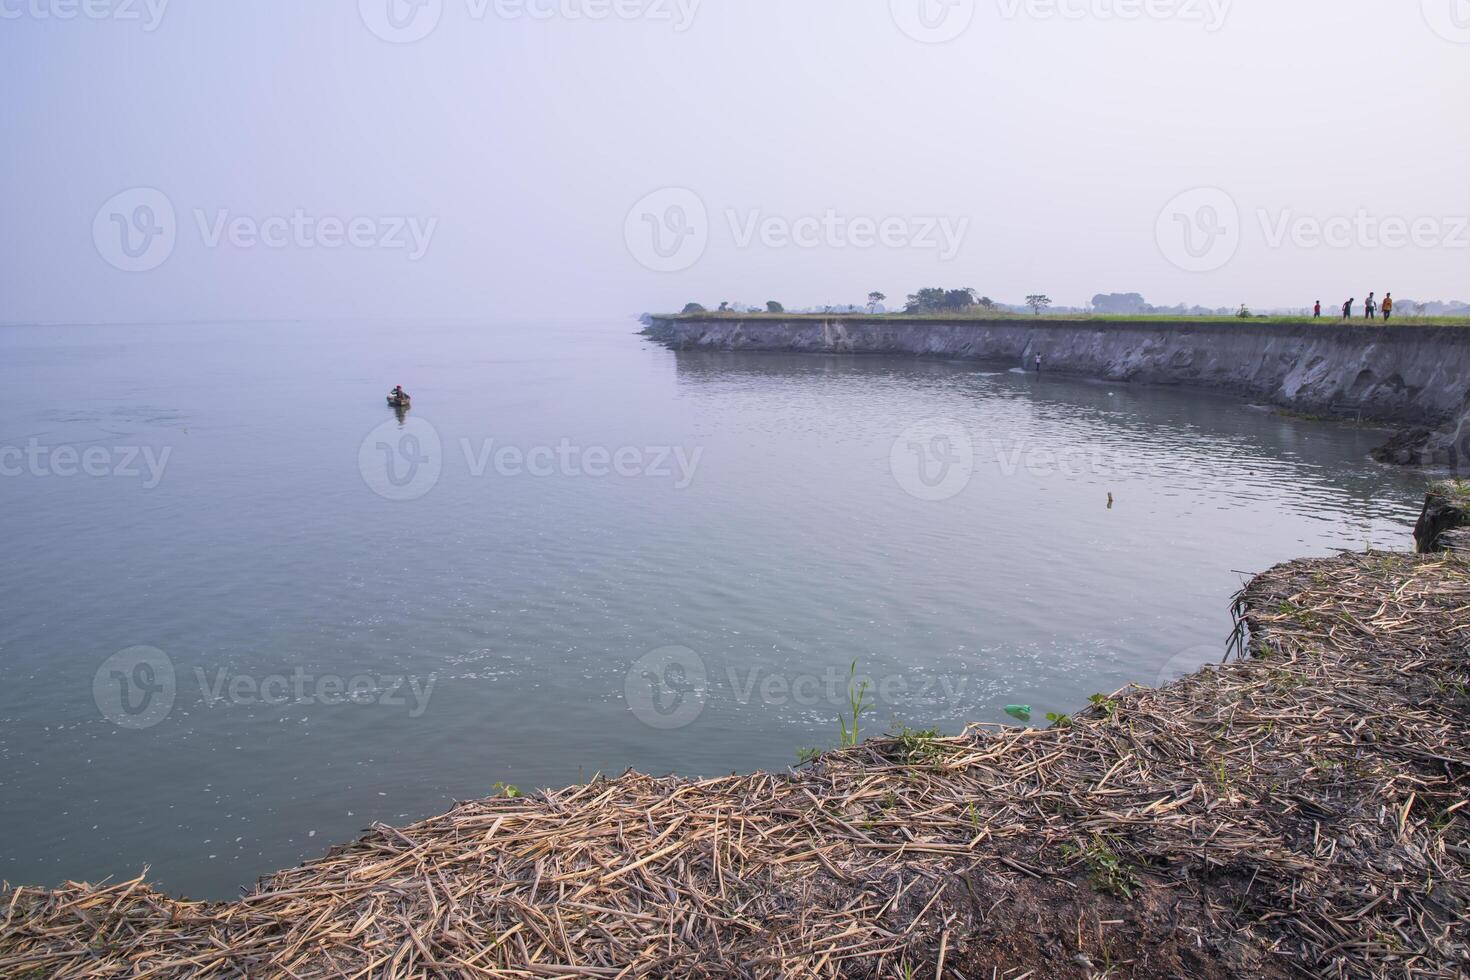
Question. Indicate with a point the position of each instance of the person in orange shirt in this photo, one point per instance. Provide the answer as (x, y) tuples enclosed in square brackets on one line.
[(1387, 306)]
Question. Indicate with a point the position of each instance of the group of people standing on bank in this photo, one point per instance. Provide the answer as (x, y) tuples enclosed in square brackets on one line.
[(1371, 309)]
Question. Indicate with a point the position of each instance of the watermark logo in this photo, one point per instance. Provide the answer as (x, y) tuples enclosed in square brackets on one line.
[(135, 688), (667, 688), (1450, 19), (668, 230), (401, 460), (136, 230), (933, 459), (932, 21), (148, 12), (1199, 230), (1187, 662), (401, 21), (1460, 446)]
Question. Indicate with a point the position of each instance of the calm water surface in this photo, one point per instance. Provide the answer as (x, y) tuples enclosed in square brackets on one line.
[(264, 526)]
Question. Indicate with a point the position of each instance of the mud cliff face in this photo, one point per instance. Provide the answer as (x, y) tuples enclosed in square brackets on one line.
[(1413, 375)]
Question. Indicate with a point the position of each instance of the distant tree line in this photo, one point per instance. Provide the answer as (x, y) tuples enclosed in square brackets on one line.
[(727, 307), (939, 300), (1133, 304), (934, 299), (1437, 307)]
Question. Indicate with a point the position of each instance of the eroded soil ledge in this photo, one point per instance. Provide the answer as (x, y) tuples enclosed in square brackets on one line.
[(1415, 376), (1301, 811)]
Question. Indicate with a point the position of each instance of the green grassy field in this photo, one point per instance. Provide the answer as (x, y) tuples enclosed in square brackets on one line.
[(1453, 490), (1324, 321)]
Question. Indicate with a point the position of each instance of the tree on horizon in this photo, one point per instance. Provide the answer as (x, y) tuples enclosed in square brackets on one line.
[(937, 300)]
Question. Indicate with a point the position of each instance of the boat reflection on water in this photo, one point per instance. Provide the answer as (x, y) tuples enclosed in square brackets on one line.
[(400, 402)]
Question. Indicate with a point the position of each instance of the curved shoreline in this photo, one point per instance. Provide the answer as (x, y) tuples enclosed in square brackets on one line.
[(1410, 375), (1299, 810)]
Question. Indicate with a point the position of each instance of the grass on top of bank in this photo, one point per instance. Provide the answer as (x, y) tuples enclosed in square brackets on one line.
[(1326, 322), (1454, 490)]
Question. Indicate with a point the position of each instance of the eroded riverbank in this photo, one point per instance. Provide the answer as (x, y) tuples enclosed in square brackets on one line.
[(1414, 376)]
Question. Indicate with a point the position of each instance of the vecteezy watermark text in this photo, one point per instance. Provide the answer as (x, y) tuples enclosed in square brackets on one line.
[(670, 687), (407, 21), (1363, 229), (148, 13), (126, 462), (936, 459), (1201, 230), (933, 459), (300, 687), (571, 460), (670, 229), (941, 21), (1210, 13), (832, 230), (404, 460), (677, 13), (302, 230), (137, 688), (136, 230)]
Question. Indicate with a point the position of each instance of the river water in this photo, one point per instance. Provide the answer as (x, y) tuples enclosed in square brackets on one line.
[(247, 611)]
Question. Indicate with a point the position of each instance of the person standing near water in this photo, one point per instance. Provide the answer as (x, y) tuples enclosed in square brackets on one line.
[(1038, 363), (1387, 306), (1317, 311), (1347, 308), (1369, 307)]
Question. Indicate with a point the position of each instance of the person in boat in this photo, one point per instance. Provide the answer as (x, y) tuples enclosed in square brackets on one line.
[(398, 394)]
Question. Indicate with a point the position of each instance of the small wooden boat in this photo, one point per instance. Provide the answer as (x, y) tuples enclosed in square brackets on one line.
[(399, 401)]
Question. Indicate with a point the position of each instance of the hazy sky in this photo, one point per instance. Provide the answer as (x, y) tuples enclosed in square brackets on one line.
[(247, 159)]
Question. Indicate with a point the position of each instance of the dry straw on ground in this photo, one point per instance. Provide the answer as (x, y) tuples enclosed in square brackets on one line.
[(1300, 812)]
